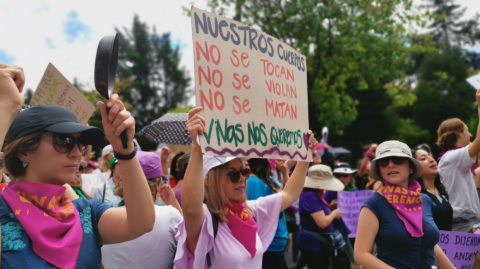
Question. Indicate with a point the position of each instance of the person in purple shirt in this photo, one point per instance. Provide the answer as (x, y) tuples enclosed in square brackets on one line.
[(244, 229), (344, 173)]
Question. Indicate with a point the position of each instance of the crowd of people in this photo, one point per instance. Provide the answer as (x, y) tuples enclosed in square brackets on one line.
[(189, 210)]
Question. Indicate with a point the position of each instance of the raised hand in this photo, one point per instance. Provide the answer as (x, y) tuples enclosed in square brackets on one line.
[(12, 80), (312, 142), (164, 154), (195, 124)]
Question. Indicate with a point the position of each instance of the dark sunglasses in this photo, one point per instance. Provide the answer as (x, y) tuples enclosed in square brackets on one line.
[(64, 143), (396, 160), (235, 174), (341, 175)]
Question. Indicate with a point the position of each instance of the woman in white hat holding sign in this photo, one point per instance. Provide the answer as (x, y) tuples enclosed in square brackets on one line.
[(227, 231), (316, 217), (398, 218)]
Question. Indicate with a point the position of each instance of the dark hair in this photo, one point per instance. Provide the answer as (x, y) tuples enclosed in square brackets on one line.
[(22, 145), (437, 182), (173, 165), (262, 169)]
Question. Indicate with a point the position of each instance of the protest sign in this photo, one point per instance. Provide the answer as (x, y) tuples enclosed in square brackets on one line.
[(91, 180), (253, 89), (460, 248), (350, 203), (474, 81), (55, 89)]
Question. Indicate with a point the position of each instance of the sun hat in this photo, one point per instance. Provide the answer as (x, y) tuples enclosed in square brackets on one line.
[(83, 164), (210, 162), (184, 160), (113, 162), (107, 149), (394, 148), (320, 177), (150, 163), (343, 168), (92, 164), (54, 119)]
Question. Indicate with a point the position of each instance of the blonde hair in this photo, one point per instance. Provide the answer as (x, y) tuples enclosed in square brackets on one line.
[(151, 183), (104, 165), (448, 131), (216, 199)]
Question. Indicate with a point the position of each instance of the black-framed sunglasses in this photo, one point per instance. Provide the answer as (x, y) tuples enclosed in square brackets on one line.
[(341, 175), (396, 160), (235, 174), (64, 143)]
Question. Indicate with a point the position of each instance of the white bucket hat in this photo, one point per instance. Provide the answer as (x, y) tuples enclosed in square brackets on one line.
[(320, 177), (343, 168), (210, 162), (107, 149), (398, 149)]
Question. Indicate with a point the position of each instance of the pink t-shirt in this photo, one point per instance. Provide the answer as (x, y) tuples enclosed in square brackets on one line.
[(225, 250)]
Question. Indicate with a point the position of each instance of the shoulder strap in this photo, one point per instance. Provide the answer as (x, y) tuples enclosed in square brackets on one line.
[(317, 236), (104, 188), (215, 230), (423, 253)]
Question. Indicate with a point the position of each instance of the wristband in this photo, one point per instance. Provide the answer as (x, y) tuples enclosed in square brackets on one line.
[(367, 154), (126, 157)]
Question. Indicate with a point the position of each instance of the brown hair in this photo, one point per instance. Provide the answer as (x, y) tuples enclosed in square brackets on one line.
[(215, 197), (151, 183), (448, 131), (22, 145)]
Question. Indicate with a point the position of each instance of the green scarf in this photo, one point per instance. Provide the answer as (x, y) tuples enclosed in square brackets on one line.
[(79, 192), (349, 187)]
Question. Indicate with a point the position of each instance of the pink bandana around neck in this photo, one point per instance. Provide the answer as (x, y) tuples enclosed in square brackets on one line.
[(50, 220), (242, 226), (472, 168), (408, 205)]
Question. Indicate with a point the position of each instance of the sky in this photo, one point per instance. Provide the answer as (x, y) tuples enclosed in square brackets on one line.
[(66, 33)]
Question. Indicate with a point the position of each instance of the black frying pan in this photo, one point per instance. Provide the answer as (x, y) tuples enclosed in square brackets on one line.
[(106, 69)]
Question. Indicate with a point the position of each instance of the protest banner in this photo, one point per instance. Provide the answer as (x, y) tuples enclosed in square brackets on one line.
[(350, 203), (460, 248), (474, 81), (55, 89), (91, 180), (253, 89)]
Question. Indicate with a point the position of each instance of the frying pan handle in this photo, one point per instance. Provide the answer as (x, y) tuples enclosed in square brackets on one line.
[(123, 135)]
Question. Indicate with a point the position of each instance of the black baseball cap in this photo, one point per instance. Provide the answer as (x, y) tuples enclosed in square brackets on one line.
[(52, 118)]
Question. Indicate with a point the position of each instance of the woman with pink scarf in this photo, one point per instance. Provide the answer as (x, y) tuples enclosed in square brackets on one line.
[(244, 229), (41, 227), (398, 213)]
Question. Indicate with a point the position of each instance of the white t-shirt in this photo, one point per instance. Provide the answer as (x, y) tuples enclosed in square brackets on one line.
[(155, 249), (454, 169)]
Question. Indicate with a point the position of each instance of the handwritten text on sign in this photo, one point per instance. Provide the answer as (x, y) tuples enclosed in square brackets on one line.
[(460, 248), (253, 89), (91, 180), (55, 89), (350, 203)]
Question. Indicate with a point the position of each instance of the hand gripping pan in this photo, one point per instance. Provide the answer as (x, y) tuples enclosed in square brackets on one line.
[(105, 71)]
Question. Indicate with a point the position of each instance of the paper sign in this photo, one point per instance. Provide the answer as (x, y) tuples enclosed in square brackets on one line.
[(350, 203), (460, 248), (91, 180), (253, 89), (55, 89), (474, 81)]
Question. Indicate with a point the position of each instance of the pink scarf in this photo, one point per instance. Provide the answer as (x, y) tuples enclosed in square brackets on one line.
[(50, 220), (242, 226), (408, 205), (472, 168)]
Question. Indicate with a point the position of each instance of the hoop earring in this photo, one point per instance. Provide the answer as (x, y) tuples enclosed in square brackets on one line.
[(25, 164)]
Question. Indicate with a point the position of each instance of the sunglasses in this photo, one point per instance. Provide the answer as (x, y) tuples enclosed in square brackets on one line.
[(64, 143), (396, 160), (341, 175), (235, 174)]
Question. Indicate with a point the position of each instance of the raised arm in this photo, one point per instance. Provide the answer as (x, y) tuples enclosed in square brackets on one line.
[(138, 217), (294, 186), (193, 189), (474, 147), (12, 80)]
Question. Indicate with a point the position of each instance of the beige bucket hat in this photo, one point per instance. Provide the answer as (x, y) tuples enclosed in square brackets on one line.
[(320, 177)]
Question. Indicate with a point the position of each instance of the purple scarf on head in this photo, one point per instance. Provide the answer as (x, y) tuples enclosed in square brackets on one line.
[(472, 169), (408, 205)]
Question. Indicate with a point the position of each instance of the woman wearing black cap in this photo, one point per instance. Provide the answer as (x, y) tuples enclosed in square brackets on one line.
[(42, 227)]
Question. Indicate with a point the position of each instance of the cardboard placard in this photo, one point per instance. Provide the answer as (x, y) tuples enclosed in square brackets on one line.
[(460, 248), (253, 89), (350, 203), (474, 81), (55, 89), (91, 180)]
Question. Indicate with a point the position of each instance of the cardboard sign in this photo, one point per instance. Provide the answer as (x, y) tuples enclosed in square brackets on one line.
[(253, 89), (55, 89), (460, 248), (91, 180), (474, 81), (350, 203)]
